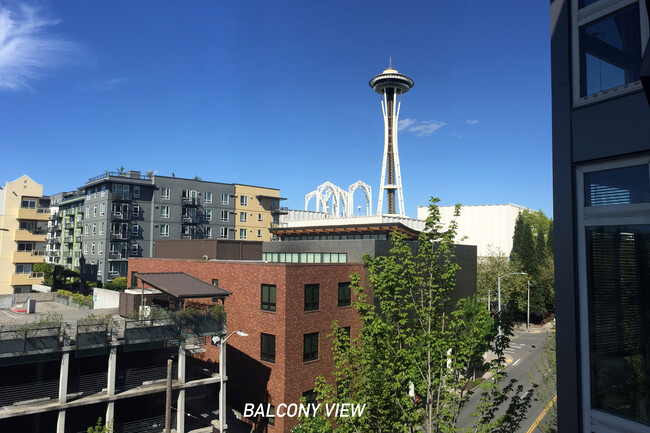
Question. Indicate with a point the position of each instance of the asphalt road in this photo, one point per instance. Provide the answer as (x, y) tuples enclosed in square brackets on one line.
[(525, 350)]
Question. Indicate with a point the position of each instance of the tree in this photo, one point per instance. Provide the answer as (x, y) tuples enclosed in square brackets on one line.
[(513, 289), (101, 427), (150, 173), (545, 376), (412, 337), (523, 247), (47, 270), (197, 177)]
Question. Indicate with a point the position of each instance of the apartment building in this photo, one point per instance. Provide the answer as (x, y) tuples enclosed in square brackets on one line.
[(601, 187), (256, 208), (24, 214), (65, 231)]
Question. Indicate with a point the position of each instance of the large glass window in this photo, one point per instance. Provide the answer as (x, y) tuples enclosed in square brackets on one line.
[(610, 51), (616, 186), (267, 350), (311, 296), (310, 347), (618, 280), (268, 297)]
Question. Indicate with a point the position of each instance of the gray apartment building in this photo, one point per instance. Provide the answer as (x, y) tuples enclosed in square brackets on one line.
[(601, 187), (125, 213)]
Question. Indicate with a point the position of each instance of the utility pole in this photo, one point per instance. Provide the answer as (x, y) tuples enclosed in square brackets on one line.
[(528, 311), (168, 403)]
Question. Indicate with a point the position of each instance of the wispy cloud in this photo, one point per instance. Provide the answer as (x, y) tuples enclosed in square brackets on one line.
[(27, 50), (426, 127), (471, 121)]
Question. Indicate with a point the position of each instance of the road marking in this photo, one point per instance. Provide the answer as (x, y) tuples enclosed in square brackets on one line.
[(508, 360), (537, 332), (541, 415), (516, 362)]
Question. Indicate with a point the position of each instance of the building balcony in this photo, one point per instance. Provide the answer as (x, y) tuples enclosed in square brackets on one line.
[(37, 235), (42, 214), (122, 196), (114, 255), (56, 240), (53, 253), (68, 239), (190, 201), (118, 216), (189, 220), (280, 210), (116, 236), (54, 227), (65, 254), (77, 239), (29, 257), (114, 274), (76, 254), (27, 279), (79, 224)]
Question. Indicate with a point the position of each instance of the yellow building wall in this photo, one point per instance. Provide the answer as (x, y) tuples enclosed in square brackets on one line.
[(14, 191), (258, 210)]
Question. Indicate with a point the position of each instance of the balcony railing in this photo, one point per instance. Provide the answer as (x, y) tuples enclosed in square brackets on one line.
[(56, 240), (127, 175), (190, 201), (79, 224), (120, 216), (119, 235), (115, 255), (122, 196), (278, 210), (68, 239), (77, 239)]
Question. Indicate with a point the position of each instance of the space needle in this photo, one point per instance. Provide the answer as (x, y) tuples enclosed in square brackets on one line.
[(390, 84)]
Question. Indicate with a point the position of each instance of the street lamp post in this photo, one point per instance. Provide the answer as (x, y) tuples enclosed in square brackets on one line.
[(222, 372), (499, 287)]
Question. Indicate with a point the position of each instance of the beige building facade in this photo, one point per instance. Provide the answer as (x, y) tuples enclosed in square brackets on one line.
[(256, 209), (24, 215)]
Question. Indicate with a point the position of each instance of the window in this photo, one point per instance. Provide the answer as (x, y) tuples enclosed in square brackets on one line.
[(136, 191), (87, 230), (215, 282), (207, 232), (259, 217), (310, 396), (207, 197), (92, 248), (100, 268), (88, 211), (103, 194), (268, 297), (267, 349), (89, 194), (243, 200), (96, 190), (164, 211), (310, 347), (94, 229), (311, 296), (136, 210), (165, 193), (344, 294), (613, 218), (164, 230), (101, 228), (259, 233), (242, 217), (95, 211), (609, 50), (242, 234), (208, 214), (135, 249), (28, 204), (25, 246), (225, 198), (100, 248), (102, 209), (224, 215), (223, 232), (23, 269)]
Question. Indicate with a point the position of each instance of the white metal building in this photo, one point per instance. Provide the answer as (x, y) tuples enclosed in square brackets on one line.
[(489, 227)]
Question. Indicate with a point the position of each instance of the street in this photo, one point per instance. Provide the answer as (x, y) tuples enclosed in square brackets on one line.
[(524, 351)]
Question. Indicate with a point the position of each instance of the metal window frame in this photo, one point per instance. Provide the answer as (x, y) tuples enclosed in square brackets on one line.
[(595, 420)]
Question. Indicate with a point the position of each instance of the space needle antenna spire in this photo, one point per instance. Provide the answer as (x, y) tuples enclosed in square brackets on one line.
[(390, 84)]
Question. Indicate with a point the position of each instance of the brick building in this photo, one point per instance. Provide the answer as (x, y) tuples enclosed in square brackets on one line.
[(287, 310)]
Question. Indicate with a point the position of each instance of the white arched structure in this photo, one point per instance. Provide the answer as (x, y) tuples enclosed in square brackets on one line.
[(367, 191), (342, 201)]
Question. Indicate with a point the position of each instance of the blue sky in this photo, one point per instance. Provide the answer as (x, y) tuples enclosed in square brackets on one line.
[(276, 94)]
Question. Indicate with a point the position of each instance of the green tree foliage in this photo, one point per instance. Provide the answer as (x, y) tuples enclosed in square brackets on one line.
[(523, 247), (513, 288), (118, 284), (47, 270), (411, 335), (101, 427), (545, 377)]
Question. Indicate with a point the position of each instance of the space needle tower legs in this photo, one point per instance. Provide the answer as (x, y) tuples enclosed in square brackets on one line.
[(390, 84)]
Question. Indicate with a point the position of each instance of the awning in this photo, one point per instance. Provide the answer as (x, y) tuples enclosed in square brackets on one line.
[(182, 286)]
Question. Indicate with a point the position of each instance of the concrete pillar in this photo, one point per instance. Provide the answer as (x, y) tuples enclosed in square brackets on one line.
[(110, 384), (223, 426), (63, 390), (180, 405)]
